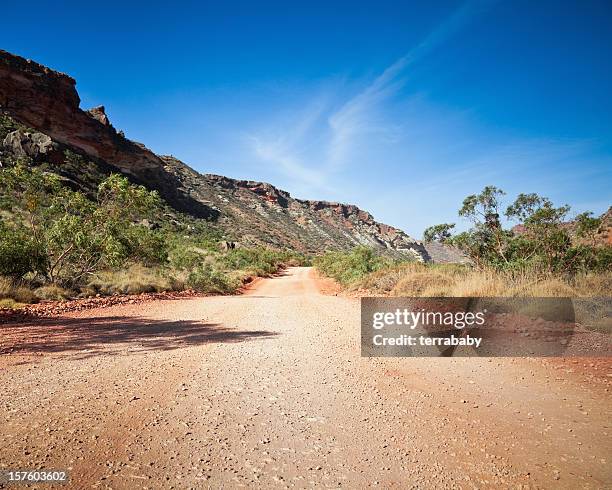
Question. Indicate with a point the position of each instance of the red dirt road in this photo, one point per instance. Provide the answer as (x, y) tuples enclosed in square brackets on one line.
[(268, 389)]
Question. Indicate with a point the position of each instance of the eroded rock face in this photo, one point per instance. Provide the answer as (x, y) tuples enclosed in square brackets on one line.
[(259, 213), (442, 253), (47, 101), (34, 145), (99, 114), (250, 212)]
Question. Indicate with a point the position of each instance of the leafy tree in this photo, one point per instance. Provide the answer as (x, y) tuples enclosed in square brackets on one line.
[(439, 233), (75, 235), (19, 254), (587, 226), (483, 208), (546, 238), (483, 211)]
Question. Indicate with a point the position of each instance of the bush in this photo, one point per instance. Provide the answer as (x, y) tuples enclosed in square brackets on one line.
[(429, 283), (348, 267), (260, 261), (184, 256), (19, 253), (53, 292), (79, 236), (207, 279)]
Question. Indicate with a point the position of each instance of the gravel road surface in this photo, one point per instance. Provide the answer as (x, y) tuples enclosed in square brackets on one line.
[(268, 389)]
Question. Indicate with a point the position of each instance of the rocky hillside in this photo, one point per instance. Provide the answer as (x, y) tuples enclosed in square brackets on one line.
[(42, 120)]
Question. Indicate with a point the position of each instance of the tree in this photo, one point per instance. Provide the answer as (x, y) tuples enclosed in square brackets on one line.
[(75, 235), (587, 226), (438, 233), (543, 242), (19, 254), (544, 235), (483, 211), (483, 208)]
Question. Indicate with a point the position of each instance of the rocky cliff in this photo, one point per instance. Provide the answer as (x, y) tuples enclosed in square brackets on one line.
[(258, 212), (47, 103)]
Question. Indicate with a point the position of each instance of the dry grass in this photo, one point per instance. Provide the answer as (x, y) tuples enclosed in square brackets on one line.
[(13, 293), (594, 285), (429, 283), (439, 281), (53, 292), (135, 279)]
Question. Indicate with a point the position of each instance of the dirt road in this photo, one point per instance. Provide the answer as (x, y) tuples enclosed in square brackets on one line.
[(268, 389)]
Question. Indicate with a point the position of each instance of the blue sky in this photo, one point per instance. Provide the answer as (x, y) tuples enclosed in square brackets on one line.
[(402, 108)]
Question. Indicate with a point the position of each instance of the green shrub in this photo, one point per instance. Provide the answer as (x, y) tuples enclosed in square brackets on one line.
[(134, 279), (183, 256), (79, 236), (19, 253), (207, 279), (348, 267), (260, 261)]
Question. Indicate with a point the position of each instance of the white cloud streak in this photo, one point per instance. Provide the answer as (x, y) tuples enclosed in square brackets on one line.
[(355, 118)]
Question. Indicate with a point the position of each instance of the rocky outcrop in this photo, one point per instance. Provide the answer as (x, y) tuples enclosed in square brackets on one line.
[(48, 101), (249, 212), (34, 145), (99, 114), (442, 253)]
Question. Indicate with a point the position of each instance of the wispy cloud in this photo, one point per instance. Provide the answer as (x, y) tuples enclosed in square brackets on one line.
[(291, 147), (279, 153), (354, 118)]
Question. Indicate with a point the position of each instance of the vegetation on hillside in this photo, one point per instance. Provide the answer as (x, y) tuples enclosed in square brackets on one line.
[(57, 243), (540, 258), (350, 267)]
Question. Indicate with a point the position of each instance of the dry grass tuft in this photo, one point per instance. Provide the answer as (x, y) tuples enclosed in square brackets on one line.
[(548, 288), (135, 279), (482, 284), (429, 283), (53, 292), (594, 285), (15, 292), (384, 280)]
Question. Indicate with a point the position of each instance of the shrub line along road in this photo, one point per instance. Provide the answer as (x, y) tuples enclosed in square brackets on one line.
[(268, 389)]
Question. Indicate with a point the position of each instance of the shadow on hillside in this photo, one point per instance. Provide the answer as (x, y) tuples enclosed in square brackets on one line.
[(87, 337)]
